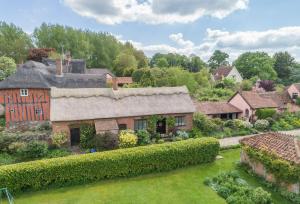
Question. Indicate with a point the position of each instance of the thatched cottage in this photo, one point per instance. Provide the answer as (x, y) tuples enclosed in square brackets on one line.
[(116, 109)]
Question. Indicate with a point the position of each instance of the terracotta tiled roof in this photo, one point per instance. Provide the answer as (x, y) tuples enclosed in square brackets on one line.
[(124, 80), (282, 145), (281, 99), (210, 108), (297, 85), (255, 100), (222, 71)]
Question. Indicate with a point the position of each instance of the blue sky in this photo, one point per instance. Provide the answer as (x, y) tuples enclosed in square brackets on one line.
[(186, 27)]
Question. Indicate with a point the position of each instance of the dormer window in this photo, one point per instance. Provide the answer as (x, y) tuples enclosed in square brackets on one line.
[(295, 95), (24, 92)]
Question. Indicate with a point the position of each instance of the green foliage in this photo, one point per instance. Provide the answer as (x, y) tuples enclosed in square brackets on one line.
[(246, 85), (59, 138), (54, 153), (33, 149), (192, 64), (281, 169), (79, 169), (7, 159), (298, 101), (285, 121), (87, 134), (7, 67), (203, 77), (283, 64), (235, 190), (203, 123), (218, 59), (14, 42), (261, 124), (171, 121), (260, 64), (127, 139), (2, 122), (124, 64), (143, 137), (105, 141), (265, 113)]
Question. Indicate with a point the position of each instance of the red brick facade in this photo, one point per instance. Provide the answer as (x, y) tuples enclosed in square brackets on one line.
[(24, 109), (129, 122)]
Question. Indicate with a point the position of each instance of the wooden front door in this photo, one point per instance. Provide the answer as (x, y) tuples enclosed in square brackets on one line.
[(75, 136), (161, 126)]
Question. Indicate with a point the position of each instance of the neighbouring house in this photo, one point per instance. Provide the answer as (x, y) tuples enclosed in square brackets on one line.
[(222, 109), (282, 146), (111, 110), (26, 94), (121, 81), (227, 72), (250, 101), (294, 91)]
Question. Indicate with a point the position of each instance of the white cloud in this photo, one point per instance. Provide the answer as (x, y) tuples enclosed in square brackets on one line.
[(234, 43), (154, 11)]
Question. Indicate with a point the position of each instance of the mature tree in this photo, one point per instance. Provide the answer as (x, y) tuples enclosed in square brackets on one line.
[(196, 64), (7, 67), (124, 63), (283, 64), (162, 62), (142, 60), (14, 42), (260, 64), (267, 85), (218, 58)]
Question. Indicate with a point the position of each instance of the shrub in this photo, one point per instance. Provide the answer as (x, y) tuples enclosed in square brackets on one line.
[(246, 85), (265, 113), (261, 124), (44, 126), (183, 134), (15, 147), (87, 133), (106, 141), (143, 137), (297, 101), (79, 169), (160, 141), (59, 138), (2, 122), (33, 149), (58, 153), (203, 123), (7, 159), (127, 138), (235, 190)]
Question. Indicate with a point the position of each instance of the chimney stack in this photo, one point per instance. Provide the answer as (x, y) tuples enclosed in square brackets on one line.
[(58, 67), (114, 83)]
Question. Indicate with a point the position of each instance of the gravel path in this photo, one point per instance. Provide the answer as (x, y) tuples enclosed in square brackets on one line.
[(230, 141)]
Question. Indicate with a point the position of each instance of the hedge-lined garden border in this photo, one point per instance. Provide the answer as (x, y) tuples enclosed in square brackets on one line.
[(78, 169)]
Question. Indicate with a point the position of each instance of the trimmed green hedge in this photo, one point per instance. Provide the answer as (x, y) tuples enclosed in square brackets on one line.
[(78, 169)]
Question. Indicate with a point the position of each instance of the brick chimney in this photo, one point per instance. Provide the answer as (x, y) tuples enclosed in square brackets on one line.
[(58, 67), (114, 83)]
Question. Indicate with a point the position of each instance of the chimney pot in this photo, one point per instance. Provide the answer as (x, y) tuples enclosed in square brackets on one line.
[(58, 67), (114, 83)]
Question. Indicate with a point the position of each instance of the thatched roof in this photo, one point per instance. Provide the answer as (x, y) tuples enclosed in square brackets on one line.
[(87, 104), (37, 75)]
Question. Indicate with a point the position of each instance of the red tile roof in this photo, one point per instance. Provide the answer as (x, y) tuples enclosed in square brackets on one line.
[(211, 108), (124, 80), (255, 100), (221, 72), (286, 147)]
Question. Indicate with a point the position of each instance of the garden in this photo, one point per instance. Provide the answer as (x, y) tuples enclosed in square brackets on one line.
[(267, 120), (185, 185)]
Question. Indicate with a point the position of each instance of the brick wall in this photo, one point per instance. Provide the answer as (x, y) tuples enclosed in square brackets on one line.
[(129, 121), (20, 110), (260, 170)]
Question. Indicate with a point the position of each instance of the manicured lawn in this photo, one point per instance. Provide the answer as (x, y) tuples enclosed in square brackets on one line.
[(178, 186)]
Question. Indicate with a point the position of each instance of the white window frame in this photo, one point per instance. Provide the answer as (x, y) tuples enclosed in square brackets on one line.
[(38, 111), (23, 92), (179, 121)]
